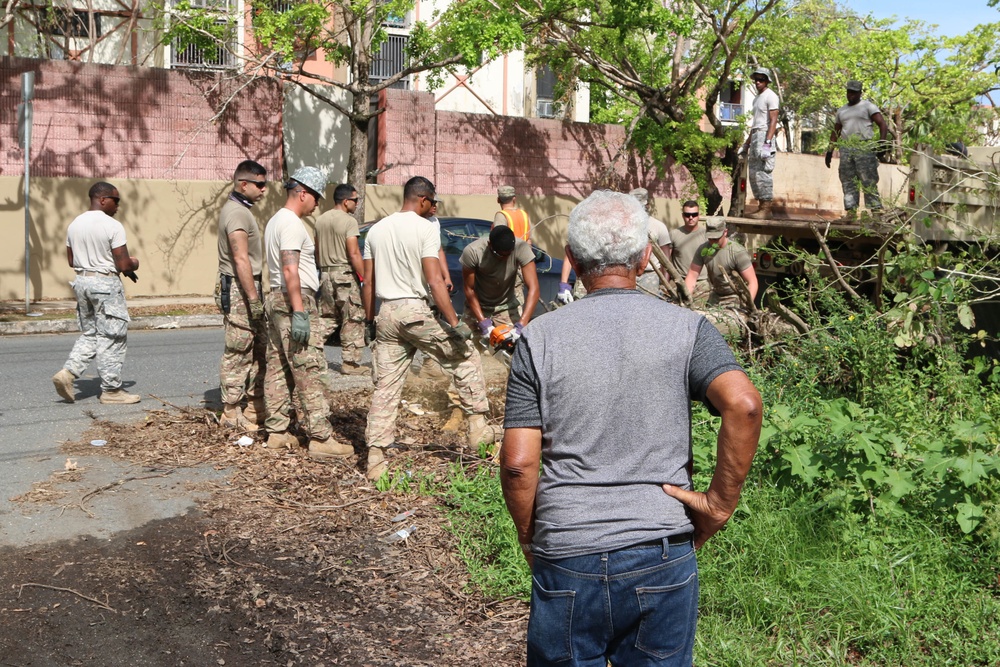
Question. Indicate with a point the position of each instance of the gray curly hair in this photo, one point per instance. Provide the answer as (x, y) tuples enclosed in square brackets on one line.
[(608, 229)]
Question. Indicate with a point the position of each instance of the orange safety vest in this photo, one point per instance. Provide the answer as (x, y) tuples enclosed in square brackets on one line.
[(521, 227)]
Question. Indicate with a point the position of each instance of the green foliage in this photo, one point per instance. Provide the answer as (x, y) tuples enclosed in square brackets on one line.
[(205, 29), (486, 536), (926, 84)]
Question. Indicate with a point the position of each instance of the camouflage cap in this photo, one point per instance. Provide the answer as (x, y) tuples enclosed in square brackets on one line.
[(854, 86), (505, 191), (715, 227), (312, 178), (642, 194), (761, 71)]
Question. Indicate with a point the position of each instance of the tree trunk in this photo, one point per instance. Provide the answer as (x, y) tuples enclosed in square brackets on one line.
[(357, 161), (701, 169)]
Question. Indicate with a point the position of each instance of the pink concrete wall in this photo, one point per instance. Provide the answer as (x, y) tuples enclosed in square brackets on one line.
[(101, 121), (474, 153)]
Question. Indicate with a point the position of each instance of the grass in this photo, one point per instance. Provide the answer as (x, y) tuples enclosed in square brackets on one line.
[(790, 583)]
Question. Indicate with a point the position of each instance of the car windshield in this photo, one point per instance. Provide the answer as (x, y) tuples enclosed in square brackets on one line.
[(454, 240)]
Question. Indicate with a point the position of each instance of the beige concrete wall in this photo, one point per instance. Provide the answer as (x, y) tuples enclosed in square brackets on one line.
[(171, 225)]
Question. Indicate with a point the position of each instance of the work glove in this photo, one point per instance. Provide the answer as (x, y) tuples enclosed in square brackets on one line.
[(518, 329), (829, 158), (565, 294), (256, 309), (460, 331), (765, 150), (131, 276), (485, 327), (300, 327), (369, 332)]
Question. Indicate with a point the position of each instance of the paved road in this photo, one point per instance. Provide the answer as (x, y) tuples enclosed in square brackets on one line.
[(180, 366)]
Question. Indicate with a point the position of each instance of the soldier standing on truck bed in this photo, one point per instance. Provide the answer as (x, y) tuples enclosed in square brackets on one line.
[(859, 155), (759, 145)]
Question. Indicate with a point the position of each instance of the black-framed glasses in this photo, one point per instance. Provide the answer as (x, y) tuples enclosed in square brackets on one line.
[(259, 184), (434, 202), (690, 215)]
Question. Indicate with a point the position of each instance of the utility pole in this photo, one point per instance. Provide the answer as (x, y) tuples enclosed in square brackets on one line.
[(24, 117)]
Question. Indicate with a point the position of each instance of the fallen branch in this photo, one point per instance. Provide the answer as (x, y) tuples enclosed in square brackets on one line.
[(782, 311), (100, 604), (833, 264), (666, 264)]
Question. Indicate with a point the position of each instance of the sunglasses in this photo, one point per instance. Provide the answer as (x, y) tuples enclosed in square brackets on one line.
[(352, 199), (690, 215), (114, 199), (259, 184)]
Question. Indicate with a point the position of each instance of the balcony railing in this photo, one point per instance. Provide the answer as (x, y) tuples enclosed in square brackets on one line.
[(391, 58), (729, 111)]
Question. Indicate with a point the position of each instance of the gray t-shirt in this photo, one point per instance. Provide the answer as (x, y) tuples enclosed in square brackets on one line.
[(856, 119), (614, 406)]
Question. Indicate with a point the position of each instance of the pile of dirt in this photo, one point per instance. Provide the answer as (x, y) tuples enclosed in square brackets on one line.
[(286, 564)]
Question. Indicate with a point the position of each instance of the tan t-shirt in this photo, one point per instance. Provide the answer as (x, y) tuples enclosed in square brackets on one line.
[(397, 244), (236, 217), (686, 247), (333, 228), (91, 236), (660, 235), (286, 231), (856, 119), (495, 278), (733, 257)]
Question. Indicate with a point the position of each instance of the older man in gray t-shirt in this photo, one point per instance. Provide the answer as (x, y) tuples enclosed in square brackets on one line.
[(611, 522)]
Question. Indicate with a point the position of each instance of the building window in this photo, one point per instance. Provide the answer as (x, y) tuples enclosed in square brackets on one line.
[(545, 88), (202, 53), (731, 102), (390, 60), (62, 22)]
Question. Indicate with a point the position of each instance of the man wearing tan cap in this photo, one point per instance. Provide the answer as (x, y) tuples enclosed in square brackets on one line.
[(721, 258), (510, 215)]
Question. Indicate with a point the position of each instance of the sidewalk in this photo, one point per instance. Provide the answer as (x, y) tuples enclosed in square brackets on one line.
[(66, 310)]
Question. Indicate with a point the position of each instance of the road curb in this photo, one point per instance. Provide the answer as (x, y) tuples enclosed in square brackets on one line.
[(137, 323)]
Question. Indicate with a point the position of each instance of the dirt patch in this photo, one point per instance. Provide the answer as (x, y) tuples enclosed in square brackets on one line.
[(285, 564)]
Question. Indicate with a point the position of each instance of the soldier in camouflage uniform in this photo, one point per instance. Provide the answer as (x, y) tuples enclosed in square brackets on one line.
[(759, 144), (402, 269), (97, 252), (722, 257), (295, 359), (239, 295), (859, 154), (340, 265)]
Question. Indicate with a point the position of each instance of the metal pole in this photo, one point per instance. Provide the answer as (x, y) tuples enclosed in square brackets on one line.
[(27, 93)]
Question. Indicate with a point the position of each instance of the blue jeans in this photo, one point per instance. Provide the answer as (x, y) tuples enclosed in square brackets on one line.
[(632, 607)]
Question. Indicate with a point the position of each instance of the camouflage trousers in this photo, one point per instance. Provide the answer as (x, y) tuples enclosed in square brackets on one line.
[(295, 369), (103, 318), (340, 306), (241, 371), (403, 327), (761, 169), (859, 168)]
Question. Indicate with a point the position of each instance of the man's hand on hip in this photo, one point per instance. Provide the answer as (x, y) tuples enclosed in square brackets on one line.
[(707, 514), (300, 327)]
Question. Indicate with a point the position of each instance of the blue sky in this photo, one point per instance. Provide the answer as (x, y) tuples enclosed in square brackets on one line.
[(954, 17)]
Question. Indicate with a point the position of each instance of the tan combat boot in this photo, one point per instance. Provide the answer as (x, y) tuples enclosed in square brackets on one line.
[(232, 417), (255, 413), (118, 397), (763, 212), (63, 381), (377, 465), (353, 369), (323, 450), (481, 433), (279, 440), (454, 423)]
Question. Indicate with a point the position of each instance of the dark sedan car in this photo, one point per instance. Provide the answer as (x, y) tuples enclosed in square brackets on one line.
[(456, 233)]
